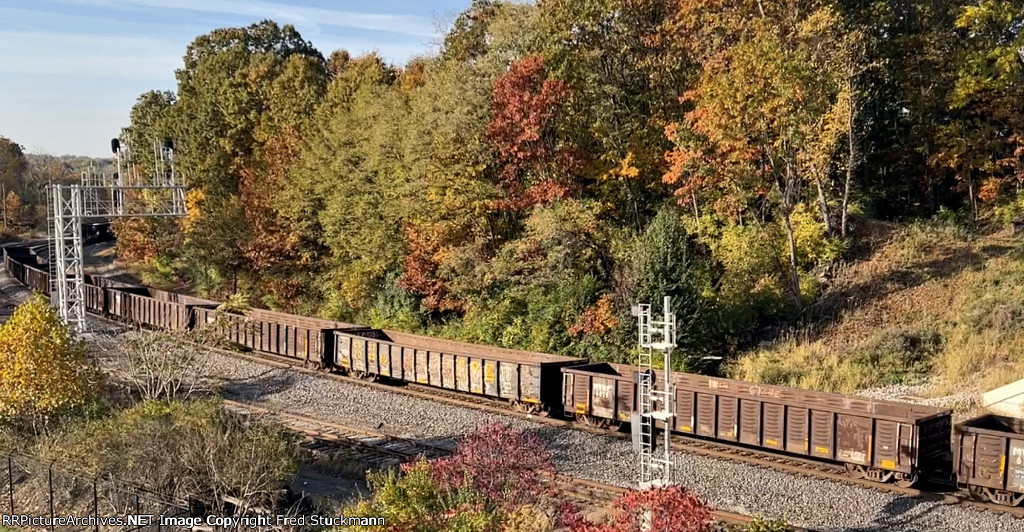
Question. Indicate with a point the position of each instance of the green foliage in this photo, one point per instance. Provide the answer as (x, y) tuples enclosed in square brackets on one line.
[(669, 264), (510, 189), (763, 525)]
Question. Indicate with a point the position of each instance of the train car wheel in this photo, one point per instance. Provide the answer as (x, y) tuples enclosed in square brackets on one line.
[(1004, 498), (977, 493), (592, 421), (905, 480), (854, 470)]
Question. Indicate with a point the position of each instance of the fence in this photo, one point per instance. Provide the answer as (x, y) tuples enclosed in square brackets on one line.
[(49, 496)]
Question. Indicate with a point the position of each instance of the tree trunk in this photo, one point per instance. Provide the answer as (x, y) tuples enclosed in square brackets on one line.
[(823, 206), (787, 208), (851, 162), (974, 201), (696, 211)]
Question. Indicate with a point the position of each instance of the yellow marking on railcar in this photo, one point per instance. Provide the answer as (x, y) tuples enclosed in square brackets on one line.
[(820, 449), (888, 464)]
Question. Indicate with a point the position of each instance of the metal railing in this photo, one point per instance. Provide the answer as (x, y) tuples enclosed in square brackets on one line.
[(48, 493)]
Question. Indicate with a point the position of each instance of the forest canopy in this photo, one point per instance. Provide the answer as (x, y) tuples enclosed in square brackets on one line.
[(554, 163)]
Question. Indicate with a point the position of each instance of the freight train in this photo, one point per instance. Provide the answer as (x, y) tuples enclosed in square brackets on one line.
[(883, 441)]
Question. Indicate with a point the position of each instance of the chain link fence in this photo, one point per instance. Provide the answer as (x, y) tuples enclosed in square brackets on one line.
[(40, 496)]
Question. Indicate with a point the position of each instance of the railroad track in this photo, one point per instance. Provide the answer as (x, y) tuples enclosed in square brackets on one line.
[(685, 444), (377, 449), (338, 441), (794, 465)]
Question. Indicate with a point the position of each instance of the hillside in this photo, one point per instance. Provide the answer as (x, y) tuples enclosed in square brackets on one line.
[(932, 312)]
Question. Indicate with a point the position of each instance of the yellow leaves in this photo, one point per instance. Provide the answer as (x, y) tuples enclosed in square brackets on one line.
[(43, 368), (193, 201), (625, 171)]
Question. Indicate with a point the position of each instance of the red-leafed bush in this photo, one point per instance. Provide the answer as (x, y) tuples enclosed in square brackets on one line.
[(504, 465), (672, 509)]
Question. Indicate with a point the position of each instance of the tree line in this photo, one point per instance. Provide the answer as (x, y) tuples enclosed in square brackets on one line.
[(551, 164)]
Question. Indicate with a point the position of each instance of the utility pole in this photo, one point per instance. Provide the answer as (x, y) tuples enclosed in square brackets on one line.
[(656, 403)]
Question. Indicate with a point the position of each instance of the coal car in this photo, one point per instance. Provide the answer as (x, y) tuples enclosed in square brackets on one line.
[(528, 380), (989, 457)]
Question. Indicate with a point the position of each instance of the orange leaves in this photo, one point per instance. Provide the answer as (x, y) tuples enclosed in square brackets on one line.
[(427, 246), (597, 319)]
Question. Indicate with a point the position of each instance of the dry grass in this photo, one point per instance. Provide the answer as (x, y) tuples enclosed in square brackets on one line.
[(932, 304)]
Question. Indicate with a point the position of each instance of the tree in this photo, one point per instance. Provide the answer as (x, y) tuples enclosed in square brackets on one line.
[(668, 263), (13, 164), (44, 370), (12, 210), (983, 144), (525, 107), (244, 96), (767, 118)]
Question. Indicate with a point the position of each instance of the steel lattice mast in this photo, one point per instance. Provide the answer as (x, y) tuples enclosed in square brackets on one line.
[(654, 404), (99, 196)]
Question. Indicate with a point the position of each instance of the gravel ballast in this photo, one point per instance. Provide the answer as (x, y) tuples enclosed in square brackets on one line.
[(813, 503)]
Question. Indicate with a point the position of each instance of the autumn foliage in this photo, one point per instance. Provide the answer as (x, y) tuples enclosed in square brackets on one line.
[(498, 480), (671, 509), (44, 371), (516, 465), (503, 189)]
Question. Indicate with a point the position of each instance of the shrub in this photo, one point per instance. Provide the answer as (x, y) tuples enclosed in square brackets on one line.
[(672, 509), (515, 464), (44, 371), (182, 450)]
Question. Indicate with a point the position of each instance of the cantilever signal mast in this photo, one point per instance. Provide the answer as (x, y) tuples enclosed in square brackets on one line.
[(124, 194), (654, 405)]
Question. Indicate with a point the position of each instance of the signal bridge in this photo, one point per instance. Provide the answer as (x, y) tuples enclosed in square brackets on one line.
[(124, 194)]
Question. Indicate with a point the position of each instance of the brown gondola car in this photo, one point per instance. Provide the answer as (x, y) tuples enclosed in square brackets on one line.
[(879, 440), (296, 337), (527, 379), (989, 458), (600, 395), (147, 307)]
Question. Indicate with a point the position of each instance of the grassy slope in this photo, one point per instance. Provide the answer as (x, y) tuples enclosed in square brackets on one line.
[(931, 305)]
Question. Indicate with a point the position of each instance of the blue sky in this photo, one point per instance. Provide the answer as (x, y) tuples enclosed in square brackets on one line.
[(70, 70)]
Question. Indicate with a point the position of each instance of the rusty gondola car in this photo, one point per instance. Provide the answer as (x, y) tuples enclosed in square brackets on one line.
[(528, 380), (989, 457), (601, 395), (879, 440), (287, 335)]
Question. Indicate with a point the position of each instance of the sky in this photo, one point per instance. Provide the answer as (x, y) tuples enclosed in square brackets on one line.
[(70, 70)]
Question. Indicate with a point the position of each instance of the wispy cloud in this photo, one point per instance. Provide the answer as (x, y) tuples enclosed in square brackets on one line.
[(73, 54), (307, 15)]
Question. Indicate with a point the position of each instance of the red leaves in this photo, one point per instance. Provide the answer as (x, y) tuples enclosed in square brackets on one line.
[(672, 509), (505, 465), (524, 107)]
